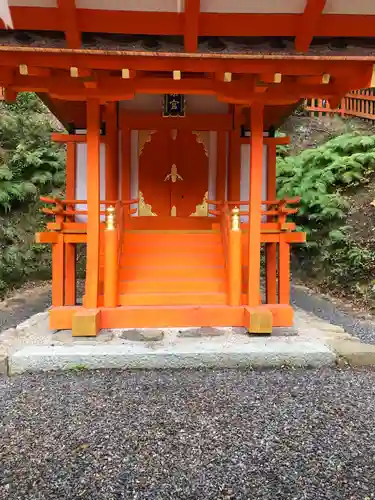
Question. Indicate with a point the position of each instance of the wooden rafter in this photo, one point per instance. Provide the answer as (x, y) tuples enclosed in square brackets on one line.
[(68, 13), (192, 11), (308, 24), (11, 59)]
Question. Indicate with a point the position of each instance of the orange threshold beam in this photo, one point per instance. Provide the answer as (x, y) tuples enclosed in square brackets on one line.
[(61, 318)]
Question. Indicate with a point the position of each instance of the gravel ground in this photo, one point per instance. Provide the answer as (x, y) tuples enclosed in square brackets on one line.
[(189, 435), (324, 309)]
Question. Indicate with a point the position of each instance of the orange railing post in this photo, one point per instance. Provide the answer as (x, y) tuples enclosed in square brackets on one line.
[(110, 259), (234, 260)]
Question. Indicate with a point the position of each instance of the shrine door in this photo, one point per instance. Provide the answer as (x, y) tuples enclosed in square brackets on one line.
[(173, 174)]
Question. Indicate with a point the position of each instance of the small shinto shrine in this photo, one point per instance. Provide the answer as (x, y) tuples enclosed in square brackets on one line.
[(171, 108)]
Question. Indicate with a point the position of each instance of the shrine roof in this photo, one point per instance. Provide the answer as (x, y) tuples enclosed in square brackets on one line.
[(215, 46)]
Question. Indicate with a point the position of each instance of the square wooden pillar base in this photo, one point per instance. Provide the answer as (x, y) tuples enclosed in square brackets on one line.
[(258, 320), (86, 323)]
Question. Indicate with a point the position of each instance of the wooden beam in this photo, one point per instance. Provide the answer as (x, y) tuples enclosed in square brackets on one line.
[(192, 11), (93, 203), (150, 121), (255, 208), (210, 63), (308, 24), (68, 13), (72, 138)]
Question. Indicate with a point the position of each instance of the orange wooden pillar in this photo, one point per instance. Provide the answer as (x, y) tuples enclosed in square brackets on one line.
[(110, 260), (111, 153), (234, 260), (125, 164), (70, 248), (58, 272), (255, 195), (221, 165), (271, 248), (93, 203), (234, 167), (284, 271)]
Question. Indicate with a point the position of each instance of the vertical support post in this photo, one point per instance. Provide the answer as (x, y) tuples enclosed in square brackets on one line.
[(235, 262), (70, 274), (234, 170), (284, 271), (58, 272), (125, 159), (111, 152), (70, 249), (221, 165), (110, 260), (255, 203), (93, 203), (191, 32), (271, 248)]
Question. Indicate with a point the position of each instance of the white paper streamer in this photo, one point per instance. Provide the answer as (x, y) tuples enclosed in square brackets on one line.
[(5, 14)]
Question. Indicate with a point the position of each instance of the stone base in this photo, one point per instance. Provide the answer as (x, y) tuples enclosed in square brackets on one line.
[(221, 352)]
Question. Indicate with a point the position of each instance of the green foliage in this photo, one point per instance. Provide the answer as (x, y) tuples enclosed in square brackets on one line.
[(321, 177), (30, 165), (20, 257)]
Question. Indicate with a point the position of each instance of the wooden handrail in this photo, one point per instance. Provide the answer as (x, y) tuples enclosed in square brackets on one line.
[(58, 201), (68, 212)]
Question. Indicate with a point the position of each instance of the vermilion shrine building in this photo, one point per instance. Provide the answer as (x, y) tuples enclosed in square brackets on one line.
[(171, 108)]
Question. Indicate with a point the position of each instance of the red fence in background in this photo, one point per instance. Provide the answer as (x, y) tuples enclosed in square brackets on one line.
[(359, 103)]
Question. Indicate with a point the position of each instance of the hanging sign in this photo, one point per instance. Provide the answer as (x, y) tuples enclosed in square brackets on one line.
[(174, 105)]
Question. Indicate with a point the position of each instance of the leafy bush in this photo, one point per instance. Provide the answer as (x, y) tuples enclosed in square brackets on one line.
[(30, 165), (20, 257), (321, 177)]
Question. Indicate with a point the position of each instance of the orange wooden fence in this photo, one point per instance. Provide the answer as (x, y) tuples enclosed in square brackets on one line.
[(359, 103)]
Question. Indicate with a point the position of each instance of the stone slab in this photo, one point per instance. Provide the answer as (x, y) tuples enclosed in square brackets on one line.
[(354, 352), (218, 352)]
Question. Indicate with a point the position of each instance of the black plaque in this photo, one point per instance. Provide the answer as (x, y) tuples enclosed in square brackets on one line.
[(174, 105)]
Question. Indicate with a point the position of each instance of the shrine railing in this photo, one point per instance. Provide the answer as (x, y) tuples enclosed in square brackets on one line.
[(358, 103), (276, 234), (68, 229)]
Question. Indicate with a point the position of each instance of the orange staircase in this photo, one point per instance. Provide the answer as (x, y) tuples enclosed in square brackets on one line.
[(172, 267)]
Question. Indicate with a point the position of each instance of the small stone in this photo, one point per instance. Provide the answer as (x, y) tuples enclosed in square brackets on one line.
[(64, 336), (205, 331), (239, 330), (284, 332), (143, 334)]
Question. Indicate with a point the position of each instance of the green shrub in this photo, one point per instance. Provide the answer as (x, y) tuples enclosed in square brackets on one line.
[(30, 165), (321, 177)]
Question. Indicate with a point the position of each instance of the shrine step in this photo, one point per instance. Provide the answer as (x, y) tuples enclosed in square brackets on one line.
[(172, 299), (167, 272), (173, 285)]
